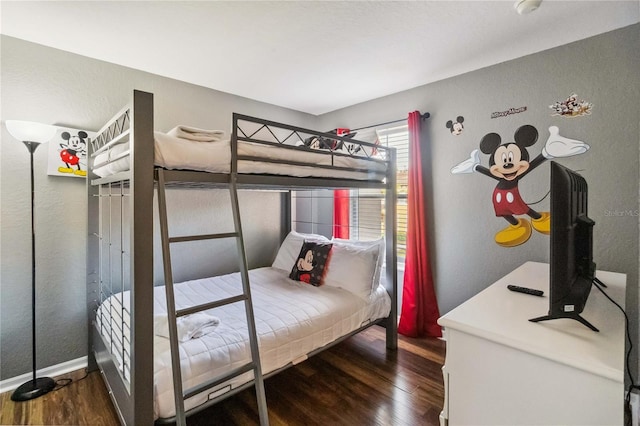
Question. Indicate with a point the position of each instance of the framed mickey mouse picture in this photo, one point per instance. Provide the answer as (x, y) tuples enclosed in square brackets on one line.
[(68, 152)]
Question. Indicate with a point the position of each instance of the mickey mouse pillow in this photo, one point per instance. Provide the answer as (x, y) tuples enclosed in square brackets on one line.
[(310, 266)]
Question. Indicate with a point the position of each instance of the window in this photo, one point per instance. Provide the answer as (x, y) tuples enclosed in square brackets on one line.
[(367, 205)]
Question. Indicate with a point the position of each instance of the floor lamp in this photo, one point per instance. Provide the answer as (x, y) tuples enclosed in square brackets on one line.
[(32, 135)]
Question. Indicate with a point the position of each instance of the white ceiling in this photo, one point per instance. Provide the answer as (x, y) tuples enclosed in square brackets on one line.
[(311, 56)]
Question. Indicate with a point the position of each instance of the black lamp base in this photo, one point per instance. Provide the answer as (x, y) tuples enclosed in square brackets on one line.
[(33, 389)]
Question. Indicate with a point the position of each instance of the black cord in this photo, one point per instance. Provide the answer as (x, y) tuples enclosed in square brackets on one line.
[(541, 199), (62, 383), (598, 284), (549, 192)]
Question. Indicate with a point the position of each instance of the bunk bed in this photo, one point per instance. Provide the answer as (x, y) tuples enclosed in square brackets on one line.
[(144, 373)]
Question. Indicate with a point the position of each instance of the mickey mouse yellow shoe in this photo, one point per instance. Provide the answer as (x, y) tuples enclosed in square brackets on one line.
[(514, 235), (80, 173), (65, 170), (542, 225)]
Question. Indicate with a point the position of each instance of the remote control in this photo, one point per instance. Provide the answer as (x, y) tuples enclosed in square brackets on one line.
[(525, 290)]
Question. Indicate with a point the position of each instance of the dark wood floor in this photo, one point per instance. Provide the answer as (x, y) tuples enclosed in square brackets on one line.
[(356, 382), (84, 402)]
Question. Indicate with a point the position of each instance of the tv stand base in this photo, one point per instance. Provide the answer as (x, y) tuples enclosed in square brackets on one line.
[(595, 281), (566, 315)]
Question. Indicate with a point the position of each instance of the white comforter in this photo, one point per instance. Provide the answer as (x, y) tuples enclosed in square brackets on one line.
[(292, 319), (178, 153)]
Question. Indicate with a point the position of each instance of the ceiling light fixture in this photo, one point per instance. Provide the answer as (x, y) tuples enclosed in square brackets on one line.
[(526, 6)]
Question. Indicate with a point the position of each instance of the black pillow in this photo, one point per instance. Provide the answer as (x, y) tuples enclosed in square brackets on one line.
[(319, 142), (310, 266)]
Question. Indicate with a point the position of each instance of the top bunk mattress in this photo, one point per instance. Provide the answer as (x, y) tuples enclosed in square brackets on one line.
[(176, 153)]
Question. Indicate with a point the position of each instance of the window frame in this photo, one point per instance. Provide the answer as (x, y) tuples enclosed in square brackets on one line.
[(390, 136)]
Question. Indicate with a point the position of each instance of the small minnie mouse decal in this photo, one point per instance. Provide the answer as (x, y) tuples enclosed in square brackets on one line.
[(457, 126), (508, 164)]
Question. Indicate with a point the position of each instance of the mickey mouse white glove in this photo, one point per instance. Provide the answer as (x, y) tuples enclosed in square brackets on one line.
[(558, 146), (468, 165)]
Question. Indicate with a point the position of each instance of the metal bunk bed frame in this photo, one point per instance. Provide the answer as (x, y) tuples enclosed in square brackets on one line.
[(133, 396)]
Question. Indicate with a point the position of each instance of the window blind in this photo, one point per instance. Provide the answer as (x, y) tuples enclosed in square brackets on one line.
[(367, 205)]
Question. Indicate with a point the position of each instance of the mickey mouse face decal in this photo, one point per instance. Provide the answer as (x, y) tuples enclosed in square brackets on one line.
[(456, 127), (508, 162)]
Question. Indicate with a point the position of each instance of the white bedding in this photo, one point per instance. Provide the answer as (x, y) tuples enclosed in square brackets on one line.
[(177, 153), (292, 320)]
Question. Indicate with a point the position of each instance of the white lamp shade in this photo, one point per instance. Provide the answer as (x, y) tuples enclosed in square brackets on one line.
[(28, 131)]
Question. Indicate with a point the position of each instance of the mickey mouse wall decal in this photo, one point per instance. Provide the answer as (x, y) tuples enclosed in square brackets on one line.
[(571, 107), (508, 164), (74, 148), (67, 152), (457, 126)]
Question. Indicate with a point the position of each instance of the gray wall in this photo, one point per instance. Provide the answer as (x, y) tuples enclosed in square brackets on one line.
[(603, 70), (51, 86)]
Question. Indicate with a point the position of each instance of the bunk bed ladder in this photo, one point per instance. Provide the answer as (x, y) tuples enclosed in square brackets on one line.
[(173, 314)]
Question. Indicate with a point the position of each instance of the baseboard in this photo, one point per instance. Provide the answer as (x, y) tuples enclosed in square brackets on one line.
[(53, 371)]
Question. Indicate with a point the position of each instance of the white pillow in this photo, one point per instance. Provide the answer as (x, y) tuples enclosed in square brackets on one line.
[(352, 268), (290, 249), (379, 244)]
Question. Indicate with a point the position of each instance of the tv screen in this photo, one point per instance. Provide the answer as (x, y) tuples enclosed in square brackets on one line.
[(571, 266)]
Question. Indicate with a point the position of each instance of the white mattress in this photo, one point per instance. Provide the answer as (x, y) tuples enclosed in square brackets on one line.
[(177, 153), (292, 320)]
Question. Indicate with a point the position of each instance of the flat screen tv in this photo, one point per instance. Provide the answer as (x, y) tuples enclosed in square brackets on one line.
[(572, 270)]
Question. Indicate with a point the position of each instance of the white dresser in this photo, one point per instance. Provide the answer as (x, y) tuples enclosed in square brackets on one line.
[(502, 369)]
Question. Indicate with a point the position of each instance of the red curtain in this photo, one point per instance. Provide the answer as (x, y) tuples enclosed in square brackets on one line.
[(341, 204), (341, 213), (420, 311)]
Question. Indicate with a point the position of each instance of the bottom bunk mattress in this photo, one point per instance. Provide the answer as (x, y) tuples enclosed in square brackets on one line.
[(292, 320)]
